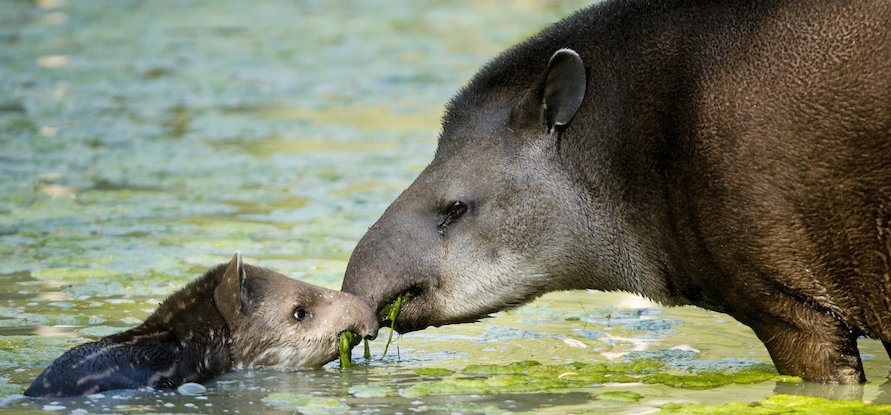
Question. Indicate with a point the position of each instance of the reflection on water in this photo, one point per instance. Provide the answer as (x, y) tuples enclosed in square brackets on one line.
[(143, 142)]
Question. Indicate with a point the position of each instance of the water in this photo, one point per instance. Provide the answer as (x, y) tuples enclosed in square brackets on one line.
[(143, 142)]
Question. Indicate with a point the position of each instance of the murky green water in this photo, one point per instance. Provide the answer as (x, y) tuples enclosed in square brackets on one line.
[(142, 142)]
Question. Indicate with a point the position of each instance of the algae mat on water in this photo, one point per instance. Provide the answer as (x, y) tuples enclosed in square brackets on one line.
[(529, 376), (518, 378), (779, 405), (141, 142)]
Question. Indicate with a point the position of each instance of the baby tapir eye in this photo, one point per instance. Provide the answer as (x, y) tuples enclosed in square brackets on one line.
[(300, 313), (452, 213)]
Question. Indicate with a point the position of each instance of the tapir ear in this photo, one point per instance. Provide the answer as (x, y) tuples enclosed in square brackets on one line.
[(564, 88), (557, 96), (230, 295)]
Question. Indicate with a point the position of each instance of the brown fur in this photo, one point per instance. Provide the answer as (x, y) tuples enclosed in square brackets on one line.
[(731, 154)]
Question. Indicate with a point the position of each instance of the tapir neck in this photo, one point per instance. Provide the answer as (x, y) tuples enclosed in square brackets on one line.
[(633, 134), (188, 321), (191, 317)]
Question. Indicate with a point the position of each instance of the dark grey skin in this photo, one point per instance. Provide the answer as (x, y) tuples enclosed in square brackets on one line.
[(733, 155), (235, 316)]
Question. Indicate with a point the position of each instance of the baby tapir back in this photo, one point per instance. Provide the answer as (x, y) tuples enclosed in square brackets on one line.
[(234, 316)]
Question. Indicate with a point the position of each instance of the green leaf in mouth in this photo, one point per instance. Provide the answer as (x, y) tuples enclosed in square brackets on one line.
[(347, 341), (392, 314)]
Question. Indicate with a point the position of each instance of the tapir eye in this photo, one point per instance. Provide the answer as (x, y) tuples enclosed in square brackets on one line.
[(452, 213), (300, 314)]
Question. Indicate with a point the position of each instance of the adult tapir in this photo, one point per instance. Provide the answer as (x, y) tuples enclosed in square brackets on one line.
[(734, 155)]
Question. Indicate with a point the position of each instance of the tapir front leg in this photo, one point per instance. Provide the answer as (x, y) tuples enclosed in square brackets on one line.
[(808, 342)]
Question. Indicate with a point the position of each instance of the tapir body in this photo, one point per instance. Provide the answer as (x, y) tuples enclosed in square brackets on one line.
[(235, 316), (734, 155)]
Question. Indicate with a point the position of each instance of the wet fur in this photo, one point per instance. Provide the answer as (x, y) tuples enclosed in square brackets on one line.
[(163, 352), (208, 328)]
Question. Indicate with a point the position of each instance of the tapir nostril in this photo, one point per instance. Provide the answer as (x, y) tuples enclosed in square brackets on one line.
[(369, 331)]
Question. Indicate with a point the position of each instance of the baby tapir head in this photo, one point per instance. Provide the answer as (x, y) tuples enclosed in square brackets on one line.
[(275, 321), (235, 316)]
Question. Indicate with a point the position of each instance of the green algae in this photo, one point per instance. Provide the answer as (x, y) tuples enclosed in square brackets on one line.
[(15, 317), (306, 404), (72, 274), (8, 390), (714, 379), (33, 351), (465, 408), (271, 146), (433, 371), (368, 119), (392, 312), (619, 396), (779, 405), (372, 391), (508, 369), (101, 282), (348, 340), (531, 376), (100, 331)]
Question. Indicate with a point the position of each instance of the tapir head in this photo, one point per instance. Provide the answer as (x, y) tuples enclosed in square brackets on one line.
[(279, 322), (498, 217)]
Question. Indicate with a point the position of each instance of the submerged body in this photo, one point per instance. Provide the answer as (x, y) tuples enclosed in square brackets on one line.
[(733, 155), (233, 317)]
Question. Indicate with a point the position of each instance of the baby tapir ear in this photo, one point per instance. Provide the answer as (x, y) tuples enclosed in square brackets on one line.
[(230, 296), (557, 95)]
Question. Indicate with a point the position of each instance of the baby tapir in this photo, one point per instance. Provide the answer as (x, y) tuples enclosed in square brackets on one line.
[(235, 316)]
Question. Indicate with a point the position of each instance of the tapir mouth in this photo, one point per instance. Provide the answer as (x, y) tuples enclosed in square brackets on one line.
[(355, 339), (404, 320), (419, 312)]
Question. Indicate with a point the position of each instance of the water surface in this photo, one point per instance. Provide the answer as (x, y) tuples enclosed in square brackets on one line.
[(142, 142)]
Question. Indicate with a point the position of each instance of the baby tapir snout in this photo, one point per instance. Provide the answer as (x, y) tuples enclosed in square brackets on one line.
[(354, 315)]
